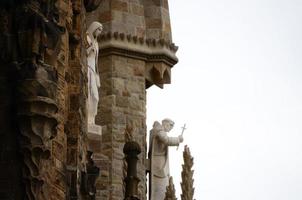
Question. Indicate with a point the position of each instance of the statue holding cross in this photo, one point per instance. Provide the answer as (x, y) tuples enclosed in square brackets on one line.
[(159, 157)]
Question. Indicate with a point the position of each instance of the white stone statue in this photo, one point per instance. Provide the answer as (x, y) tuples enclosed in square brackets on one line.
[(159, 157), (92, 51)]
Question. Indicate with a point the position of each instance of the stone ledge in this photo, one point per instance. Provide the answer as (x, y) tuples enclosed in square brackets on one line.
[(138, 40), (159, 55), (94, 136)]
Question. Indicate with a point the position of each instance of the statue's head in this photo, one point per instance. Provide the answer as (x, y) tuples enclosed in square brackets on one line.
[(167, 124), (95, 29)]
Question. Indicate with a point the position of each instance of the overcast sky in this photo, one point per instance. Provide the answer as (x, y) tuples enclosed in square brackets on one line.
[(238, 87)]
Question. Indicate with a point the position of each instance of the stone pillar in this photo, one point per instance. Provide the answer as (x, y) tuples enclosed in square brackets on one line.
[(130, 61), (122, 102)]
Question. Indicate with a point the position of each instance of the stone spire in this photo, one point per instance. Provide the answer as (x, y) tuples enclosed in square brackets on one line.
[(187, 176), (170, 193)]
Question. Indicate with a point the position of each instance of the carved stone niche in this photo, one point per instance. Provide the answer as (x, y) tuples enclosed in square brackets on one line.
[(91, 5)]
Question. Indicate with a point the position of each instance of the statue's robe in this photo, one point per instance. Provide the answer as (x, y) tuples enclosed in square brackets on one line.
[(93, 80), (159, 156)]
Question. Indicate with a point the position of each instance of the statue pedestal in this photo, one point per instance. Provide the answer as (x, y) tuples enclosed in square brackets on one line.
[(94, 129), (94, 138)]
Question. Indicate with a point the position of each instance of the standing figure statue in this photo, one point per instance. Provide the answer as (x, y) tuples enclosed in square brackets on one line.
[(159, 157), (92, 51)]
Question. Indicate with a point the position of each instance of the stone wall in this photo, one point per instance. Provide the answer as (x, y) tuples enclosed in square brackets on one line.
[(123, 104), (43, 92), (157, 19), (122, 16)]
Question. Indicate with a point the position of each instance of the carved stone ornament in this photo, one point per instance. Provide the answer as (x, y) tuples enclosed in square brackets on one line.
[(187, 176), (31, 51), (37, 119), (170, 193)]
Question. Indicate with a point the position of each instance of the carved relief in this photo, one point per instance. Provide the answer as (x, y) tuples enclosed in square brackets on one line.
[(37, 36)]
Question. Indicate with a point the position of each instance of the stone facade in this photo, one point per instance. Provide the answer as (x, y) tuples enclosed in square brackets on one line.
[(43, 91)]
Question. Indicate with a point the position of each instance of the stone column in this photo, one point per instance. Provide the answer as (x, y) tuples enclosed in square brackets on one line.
[(129, 63)]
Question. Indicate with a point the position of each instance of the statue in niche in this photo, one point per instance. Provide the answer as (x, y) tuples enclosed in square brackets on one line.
[(159, 157), (92, 50)]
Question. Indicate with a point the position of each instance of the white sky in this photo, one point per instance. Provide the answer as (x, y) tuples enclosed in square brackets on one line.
[(238, 87)]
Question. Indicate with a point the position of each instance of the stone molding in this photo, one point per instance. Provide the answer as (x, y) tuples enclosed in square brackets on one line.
[(159, 55), (138, 47)]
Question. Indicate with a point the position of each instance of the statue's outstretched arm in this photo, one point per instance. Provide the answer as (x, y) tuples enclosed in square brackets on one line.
[(169, 141)]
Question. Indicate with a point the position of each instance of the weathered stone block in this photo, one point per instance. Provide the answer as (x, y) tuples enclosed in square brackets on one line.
[(153, 33), (138, 71), (122, 102), (105, 16), (135, 86), (118, 16), (152, 12), (154, 23), (137, 9), (119, 5), (118, 83)]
